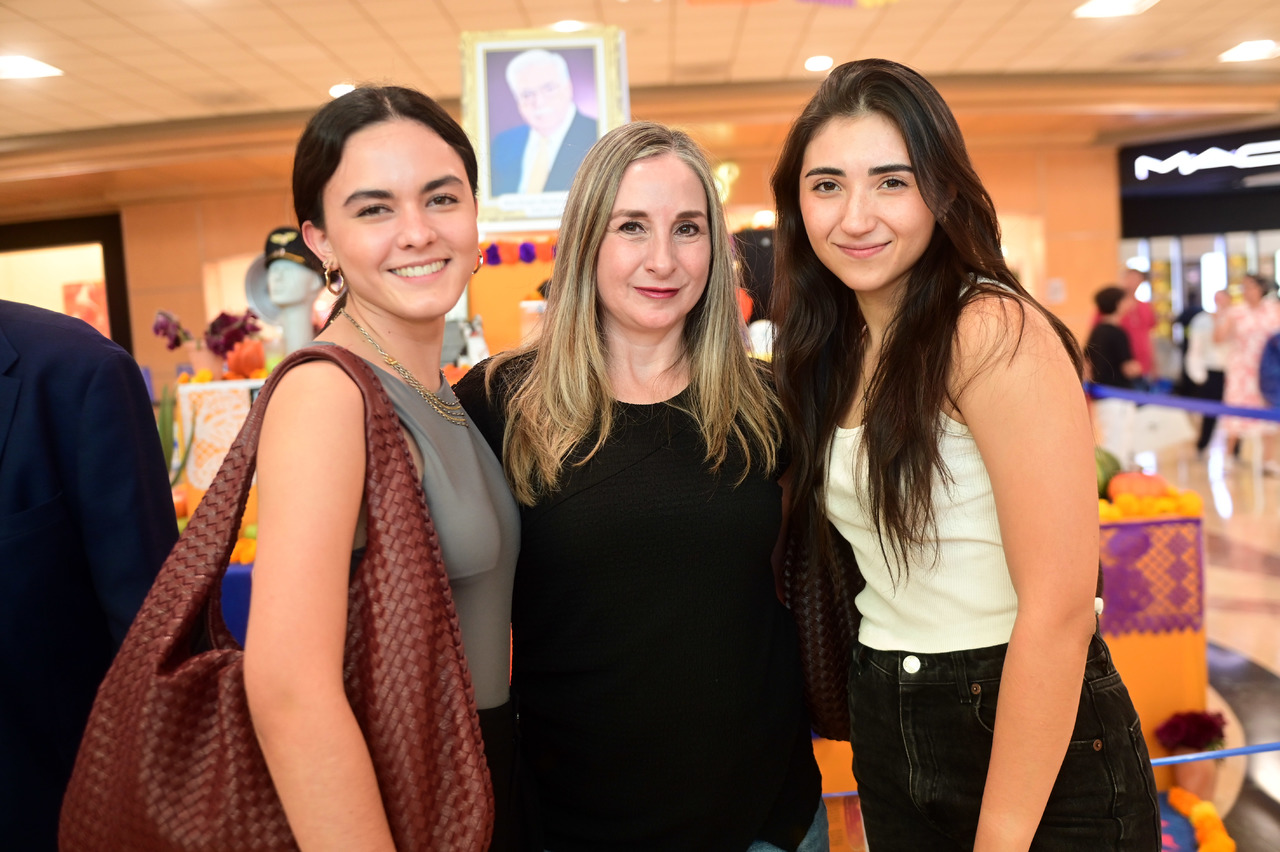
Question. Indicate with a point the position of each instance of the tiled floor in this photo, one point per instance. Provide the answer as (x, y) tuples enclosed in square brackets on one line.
[(1242, 617)]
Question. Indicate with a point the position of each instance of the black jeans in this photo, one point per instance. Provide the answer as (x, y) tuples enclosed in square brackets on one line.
[(922, 732)]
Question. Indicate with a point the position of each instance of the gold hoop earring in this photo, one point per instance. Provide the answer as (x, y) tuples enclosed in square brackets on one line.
[(337, 287), (479, 261)]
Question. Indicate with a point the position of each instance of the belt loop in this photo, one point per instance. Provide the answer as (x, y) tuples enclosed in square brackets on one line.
[(1099, 651)]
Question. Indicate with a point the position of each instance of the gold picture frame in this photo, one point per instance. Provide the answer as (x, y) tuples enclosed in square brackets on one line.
[(506, 122)]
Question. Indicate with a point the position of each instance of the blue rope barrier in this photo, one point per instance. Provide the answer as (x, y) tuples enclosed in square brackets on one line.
[(1214, 755), (1200, 406), (1159, 761)]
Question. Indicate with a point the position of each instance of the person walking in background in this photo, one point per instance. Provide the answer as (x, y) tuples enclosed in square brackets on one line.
[(1139, 322), (1244, 329), (1181, 332), (1206, 361), (938, 425), (86, 521), (1110, 362), (1108, 351), (657, 673)]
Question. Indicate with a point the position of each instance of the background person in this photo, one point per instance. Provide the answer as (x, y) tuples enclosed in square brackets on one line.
[(1139, 322), (1110, 362), (1108, 351), (939, 423), (384, 186), (543, 154), (86, 521), (657, 673), (1206, 361), (1182, 336), (1244, 330)]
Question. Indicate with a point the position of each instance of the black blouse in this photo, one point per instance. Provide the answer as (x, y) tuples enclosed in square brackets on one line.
[(657, 674)]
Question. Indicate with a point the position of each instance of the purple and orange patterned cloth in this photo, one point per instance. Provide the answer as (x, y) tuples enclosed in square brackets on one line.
[(1152, 577)]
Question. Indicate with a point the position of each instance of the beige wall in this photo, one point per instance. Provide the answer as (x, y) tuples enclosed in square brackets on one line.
[(166, 245), (1076, 192)]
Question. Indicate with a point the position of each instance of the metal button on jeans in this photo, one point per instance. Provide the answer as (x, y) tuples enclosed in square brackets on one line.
[(911, 664)]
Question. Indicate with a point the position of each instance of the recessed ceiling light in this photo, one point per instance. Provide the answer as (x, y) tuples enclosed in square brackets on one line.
[(1251, 51), (568, 26), (818, 63), (24, 68), (1113, 8), (340, 90)]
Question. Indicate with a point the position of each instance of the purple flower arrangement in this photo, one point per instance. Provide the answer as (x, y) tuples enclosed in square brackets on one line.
[(1197, 730), (168, 327), (221, 337)]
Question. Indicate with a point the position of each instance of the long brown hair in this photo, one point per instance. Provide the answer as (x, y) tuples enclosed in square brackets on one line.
[(818, 349), (565, 393)]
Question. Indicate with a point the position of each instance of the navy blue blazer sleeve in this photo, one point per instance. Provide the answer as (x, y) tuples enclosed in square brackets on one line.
[(123, 495)]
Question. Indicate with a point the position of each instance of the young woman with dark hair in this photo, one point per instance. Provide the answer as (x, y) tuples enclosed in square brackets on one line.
[(937, 421), (384, 189)]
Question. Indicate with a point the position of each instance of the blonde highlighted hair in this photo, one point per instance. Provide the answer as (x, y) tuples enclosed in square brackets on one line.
[(565, 394)]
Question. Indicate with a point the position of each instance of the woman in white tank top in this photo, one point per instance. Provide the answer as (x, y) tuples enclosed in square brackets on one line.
[(938, 423)]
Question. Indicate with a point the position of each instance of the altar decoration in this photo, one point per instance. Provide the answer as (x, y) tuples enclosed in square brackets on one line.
[(1153, 616), (220, 337), (1195, 731), (215, 411), (499, 252), (1133, 494), (1152, 578), (1191, 733), (1210, 833)]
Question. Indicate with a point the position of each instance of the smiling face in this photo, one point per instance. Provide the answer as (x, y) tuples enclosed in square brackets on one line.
[(861, 205), (655, 257), (400, 221), (543, 96)]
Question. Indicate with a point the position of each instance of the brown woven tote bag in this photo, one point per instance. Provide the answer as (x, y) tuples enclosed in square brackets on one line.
[(820, 598), (169, 760)]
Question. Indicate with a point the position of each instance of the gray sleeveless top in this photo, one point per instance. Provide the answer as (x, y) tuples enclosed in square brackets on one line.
[(479, 527)]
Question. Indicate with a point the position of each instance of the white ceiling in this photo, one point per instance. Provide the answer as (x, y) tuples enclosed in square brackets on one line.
[(132, 62)]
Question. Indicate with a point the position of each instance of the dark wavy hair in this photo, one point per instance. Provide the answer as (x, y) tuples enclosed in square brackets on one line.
[(818, 349), (320, 147)]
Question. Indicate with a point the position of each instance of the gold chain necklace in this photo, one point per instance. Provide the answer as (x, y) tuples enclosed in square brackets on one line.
[(451, 411)]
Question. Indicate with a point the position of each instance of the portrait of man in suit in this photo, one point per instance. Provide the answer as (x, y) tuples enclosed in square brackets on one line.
[(543, 153)]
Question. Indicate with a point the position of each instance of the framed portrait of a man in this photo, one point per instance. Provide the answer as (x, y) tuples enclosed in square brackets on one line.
[(534, 102)]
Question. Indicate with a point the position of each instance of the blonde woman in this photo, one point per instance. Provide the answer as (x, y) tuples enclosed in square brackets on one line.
[(657, 673)]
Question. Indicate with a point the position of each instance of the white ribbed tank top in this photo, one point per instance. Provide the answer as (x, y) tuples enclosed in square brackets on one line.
[(964, 600)]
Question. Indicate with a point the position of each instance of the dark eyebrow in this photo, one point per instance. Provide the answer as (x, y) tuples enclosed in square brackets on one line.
[(432, 185), (886, 169), (367, 195), (383, 195)]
